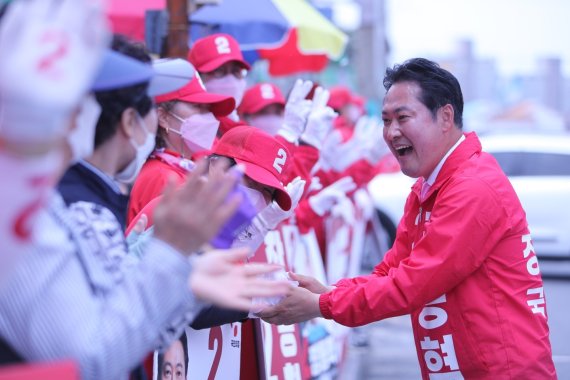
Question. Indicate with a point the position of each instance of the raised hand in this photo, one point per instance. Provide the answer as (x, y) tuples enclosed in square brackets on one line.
[(297, 110), (323, 201), (320, 120)]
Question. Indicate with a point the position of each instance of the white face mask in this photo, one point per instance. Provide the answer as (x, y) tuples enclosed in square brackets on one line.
[(256, 198), (268, 123), (82, 139), (198, 131), (353, 113), (229, 86), (130, 172)]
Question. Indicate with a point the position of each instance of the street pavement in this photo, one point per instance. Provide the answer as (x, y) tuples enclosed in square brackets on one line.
[(385, 349)]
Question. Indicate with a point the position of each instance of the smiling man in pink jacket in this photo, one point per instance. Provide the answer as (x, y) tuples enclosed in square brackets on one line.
[(462, 265)]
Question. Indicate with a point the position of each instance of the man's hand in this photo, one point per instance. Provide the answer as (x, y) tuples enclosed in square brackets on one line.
[(189, 216), (221, 278), (299, 306), (310, 283)]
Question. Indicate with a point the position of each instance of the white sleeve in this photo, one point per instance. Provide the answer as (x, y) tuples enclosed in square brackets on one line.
[(59, 302)]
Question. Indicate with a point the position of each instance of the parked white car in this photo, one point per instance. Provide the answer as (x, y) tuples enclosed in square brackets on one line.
[(538, 166)]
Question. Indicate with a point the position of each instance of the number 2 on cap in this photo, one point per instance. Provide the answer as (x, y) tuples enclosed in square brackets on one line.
[(223, 45), (280, 160)]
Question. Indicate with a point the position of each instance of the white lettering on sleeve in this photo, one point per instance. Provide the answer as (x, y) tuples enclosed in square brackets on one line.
[(535, 303), (435, 362), (432, 317), (532, 263)]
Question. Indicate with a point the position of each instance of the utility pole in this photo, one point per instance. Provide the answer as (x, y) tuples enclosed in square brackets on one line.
[(370, 50), (177, 38)]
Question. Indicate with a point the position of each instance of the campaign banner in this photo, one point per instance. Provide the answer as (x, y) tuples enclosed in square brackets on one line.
[(214, 353), (210, 354), (284, 356), (345, 231), (280, 347), (307, 350)]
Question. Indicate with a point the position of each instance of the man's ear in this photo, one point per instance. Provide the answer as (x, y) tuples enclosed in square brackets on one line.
[(129, 122), (446, 114)]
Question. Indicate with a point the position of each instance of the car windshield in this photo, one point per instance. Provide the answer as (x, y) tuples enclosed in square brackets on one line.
[(533, 163)]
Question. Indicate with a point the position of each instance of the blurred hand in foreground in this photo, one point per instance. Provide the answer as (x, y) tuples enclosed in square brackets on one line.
[(220, 277), (189, 216)]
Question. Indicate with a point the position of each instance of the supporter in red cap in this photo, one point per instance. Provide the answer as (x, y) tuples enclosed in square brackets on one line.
[(340, 96), (264, 158), (187, 124), (350, 108), (220, 62), (263, 107)]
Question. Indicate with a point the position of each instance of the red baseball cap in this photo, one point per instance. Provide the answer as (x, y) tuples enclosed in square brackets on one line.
[(265, 159), (211, 52), (260, 96), (340, 96), (195, 92)]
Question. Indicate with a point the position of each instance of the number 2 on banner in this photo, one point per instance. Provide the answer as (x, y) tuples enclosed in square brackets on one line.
[(215, 335), (280, 160)]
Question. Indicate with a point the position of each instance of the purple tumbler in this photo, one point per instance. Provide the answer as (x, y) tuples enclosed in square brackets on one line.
[(238, 222)]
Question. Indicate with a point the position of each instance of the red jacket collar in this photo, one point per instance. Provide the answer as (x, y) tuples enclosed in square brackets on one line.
[(470, 146)]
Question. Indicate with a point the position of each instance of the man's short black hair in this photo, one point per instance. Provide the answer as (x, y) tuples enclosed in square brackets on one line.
[(438, 86), (114, 102)]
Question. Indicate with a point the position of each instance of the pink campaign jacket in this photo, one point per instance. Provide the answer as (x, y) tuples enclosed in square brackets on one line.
[(464, 267)]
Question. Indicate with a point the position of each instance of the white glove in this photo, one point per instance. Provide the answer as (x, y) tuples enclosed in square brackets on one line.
[(268, 218), (51, 50), (315, 185), (364, 202), (367, 139), (319, 122), (297, 110), (337, 155), (344, 209), (322, 202), (272, 215)]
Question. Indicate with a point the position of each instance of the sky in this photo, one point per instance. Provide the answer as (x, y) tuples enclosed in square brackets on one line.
[(514, 32)]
